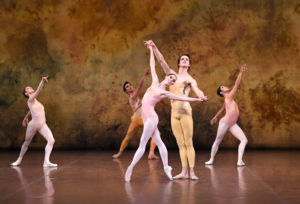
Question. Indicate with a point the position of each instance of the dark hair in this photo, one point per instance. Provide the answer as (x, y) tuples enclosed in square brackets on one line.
[(219, 91), (24, 92), (126, 82), (178, 61), (172, 74)]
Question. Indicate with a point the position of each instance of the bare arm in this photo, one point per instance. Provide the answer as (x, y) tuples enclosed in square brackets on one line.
[(160, 58), (172, 96), (214, 120), (197, 91), (38, 90), (152, 67), (238, 81), (25, 120), (140, 85)]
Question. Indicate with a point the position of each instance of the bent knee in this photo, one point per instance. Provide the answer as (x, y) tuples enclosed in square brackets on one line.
[(244, 141), (51, 141)]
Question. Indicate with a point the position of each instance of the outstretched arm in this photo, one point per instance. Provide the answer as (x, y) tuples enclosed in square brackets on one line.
[(197, 91), (38, 90), (172, 96), (140, 85), (215, 119), (152, 67), (238, 81), (160, 58), (25, 120)]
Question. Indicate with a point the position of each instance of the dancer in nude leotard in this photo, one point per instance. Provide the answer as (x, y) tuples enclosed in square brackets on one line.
[(228, 122), (136, 118), (37, 124), (155, 93), (181, 114)]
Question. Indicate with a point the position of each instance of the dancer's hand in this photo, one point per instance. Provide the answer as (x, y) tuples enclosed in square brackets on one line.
[(149, 43), (203, 98), (213, 121), (243, 68), (147, 72), (25, 122), (45, 79)]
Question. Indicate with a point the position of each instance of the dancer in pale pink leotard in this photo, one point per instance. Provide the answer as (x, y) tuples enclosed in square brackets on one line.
[(229, 120), (155, 93)]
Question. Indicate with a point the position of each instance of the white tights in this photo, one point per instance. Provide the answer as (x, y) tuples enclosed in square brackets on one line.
[(237, 132), (150, 131)]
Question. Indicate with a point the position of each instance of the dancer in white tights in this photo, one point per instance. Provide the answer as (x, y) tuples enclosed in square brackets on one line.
[(155, 93), (37, 124), (228, 122)]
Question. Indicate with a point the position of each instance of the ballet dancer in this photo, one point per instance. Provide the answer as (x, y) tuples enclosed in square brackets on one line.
[(136, 118), (228, 122), (155, 93), (181, 113), (37, 124)]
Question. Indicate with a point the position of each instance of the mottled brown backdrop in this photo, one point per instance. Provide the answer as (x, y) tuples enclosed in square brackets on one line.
[(89, 47)]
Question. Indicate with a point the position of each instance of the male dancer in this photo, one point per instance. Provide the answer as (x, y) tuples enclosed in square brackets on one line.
[(181, 114), (228, 122), (37, 124), (155, 93), (136, 118)]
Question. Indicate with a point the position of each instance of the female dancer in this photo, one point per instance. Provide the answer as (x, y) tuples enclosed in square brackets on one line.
[(37, 124), (136, 118), (228, 122), (155, 93), (181, 114)]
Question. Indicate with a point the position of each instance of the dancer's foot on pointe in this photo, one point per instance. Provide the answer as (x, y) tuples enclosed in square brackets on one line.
[(168, 170), (240, 163), (49, 164), (16, 163), (128, 174), (183, 175), (210, 162), (118, 155), (152, 156), (193, 175)]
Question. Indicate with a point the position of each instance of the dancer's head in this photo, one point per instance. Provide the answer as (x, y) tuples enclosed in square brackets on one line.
[(222, 90), (127, 87), (170, 79), (184, 61), (27, 91)]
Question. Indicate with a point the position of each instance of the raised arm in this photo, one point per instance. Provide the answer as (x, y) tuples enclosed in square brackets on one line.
[(197, 91), (238, 81), (152, 67), (215, 118), (172, 96), (140, 85), (160, 58), (38, 90), (25, 120)]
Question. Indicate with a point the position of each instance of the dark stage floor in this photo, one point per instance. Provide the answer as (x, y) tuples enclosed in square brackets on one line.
[(94, 177)]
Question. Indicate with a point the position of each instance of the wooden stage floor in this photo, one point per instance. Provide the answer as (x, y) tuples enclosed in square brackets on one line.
[(94, 177)]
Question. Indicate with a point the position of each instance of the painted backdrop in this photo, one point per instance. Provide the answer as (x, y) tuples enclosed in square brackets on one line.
[(90, 47)]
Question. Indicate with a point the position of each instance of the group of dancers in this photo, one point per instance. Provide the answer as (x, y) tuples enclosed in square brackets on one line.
[(144, 115)]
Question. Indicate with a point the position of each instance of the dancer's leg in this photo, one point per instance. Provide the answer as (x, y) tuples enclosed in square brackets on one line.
[(237, 132), (149, 128), (163, 153), (222, 129), (134, 125), (151, 154), (47, 134), (30, 132)]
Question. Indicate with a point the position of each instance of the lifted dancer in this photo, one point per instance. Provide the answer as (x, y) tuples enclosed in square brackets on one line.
[(155, 93), (181, 113), (37, 124), (136, 118), (228, 122)]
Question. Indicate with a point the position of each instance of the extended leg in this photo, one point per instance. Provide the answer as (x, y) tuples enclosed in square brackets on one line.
[(30, 132), (47, 134), (222, 129), (239, 134), (149, 128)]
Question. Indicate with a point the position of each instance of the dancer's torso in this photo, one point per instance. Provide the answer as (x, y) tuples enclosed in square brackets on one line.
[(136, 107), (232, 112), (37, 112), (150, 99)]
